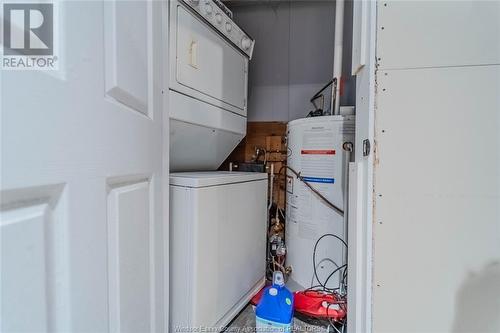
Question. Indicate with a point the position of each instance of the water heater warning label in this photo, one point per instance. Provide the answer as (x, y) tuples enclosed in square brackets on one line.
[(317, 152), (318, 157)]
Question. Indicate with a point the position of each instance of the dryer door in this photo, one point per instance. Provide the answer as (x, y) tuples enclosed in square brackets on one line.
[(208, 64)]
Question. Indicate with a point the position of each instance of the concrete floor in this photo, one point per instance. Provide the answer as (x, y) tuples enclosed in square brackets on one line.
[(245, 323)]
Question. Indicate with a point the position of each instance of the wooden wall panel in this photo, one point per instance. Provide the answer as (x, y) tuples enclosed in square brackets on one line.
[(269, 136)]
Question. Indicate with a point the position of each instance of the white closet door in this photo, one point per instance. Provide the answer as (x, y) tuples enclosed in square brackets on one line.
[(83, 229)]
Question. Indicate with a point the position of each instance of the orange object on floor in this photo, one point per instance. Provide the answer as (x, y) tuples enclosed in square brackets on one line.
[(314, 303), (319, 304)]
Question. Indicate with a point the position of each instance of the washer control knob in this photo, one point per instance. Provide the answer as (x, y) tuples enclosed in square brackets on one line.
[(246, 43), (229, 27), (208, 9), (218, 18)]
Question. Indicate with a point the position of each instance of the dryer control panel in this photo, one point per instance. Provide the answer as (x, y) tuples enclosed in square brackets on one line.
[(218, 18)]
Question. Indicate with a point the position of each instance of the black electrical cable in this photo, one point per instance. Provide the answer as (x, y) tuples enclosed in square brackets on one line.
[(314, 257), (328, 317), (334, 271), (317, 288), (318, 94), (315, 191), (332, 323), (344, 278), (330, 235)]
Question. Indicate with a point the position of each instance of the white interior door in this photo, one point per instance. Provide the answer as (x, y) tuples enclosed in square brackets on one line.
[(83, 228)]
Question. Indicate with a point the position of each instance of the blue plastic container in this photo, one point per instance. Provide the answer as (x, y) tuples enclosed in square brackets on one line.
[(274, 312)]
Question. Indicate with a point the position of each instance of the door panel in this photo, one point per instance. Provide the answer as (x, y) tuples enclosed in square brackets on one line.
[(127, 49), (32, 259), (404, 42), (24, 267), (443, 189), (75, 161), (129, 258)]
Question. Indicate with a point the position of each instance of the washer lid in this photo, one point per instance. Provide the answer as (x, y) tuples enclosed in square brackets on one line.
[(321, 119), (213, 178)]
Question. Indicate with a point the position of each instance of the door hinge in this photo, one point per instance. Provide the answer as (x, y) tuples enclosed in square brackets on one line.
[(367, 146)]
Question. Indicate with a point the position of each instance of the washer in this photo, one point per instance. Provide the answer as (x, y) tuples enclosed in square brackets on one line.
[(217, 245)]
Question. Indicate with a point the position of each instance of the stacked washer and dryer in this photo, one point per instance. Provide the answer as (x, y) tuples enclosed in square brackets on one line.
[(217, 219)]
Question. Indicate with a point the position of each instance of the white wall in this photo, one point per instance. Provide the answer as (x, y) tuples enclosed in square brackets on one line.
[(436, 265), (293, 56)]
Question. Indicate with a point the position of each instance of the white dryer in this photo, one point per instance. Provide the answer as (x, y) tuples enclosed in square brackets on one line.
[(209, 57)]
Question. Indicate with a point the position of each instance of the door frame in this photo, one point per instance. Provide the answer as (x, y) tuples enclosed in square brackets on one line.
[(165, 24), (361, 195)]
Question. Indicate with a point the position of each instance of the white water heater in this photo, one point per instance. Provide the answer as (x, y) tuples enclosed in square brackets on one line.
[(315, 151)]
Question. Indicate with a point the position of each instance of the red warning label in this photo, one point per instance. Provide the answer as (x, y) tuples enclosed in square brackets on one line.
[(317, 152)]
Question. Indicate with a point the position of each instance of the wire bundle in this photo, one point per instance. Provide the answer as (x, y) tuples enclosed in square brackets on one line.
[(340, 292)]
